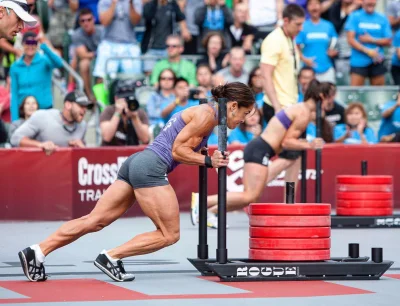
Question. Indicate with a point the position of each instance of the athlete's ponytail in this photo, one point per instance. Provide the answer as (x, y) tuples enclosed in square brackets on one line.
[(234, 91), (315, 89)]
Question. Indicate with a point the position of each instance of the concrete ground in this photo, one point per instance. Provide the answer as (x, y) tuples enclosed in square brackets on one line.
[(167, 278)]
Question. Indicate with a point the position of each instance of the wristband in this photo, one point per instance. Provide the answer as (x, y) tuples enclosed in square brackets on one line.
[(117, 114), (208, 162)]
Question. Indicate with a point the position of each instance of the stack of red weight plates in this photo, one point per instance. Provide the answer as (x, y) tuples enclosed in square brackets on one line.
[(290, 232), (369, 195)]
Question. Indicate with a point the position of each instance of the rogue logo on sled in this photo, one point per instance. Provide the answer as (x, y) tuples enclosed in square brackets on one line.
[(267, 271), (387, 222)]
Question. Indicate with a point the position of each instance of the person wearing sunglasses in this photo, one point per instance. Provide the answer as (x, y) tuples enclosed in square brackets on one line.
[(52, 128), (85, 41), (13, 15), (32, 73), (182, 68)]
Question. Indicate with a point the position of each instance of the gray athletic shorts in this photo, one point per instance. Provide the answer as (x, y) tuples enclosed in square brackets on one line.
[(144, 169)]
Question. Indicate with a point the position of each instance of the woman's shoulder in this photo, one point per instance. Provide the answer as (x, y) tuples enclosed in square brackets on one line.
[(203, 112)]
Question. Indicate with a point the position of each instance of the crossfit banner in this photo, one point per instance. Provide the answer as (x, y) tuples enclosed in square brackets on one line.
[(68, 183)]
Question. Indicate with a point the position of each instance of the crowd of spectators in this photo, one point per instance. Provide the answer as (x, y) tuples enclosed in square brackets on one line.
[(346, 36)]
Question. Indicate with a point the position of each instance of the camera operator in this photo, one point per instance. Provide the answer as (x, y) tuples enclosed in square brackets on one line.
[(124, 123)]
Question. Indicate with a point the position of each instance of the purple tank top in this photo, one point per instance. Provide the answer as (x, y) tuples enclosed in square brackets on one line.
[(162, 145), (284, 119)]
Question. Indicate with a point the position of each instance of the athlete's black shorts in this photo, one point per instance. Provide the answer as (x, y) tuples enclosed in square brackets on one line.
[(258, 151), (269, 112)]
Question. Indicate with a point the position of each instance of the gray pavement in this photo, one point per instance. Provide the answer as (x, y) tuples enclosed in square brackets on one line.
[(167, 278)]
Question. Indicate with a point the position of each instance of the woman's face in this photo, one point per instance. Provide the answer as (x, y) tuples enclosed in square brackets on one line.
[(254, 119), (30, 106), (166, 80), (354, 116), (214, 45), (257, 80), (30, 46), (236, 114), (204, 77)]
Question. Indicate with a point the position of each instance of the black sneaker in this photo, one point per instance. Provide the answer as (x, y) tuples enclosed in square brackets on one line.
[(116, 272), (33, 270)]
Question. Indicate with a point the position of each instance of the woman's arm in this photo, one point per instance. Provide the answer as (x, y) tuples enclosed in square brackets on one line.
[(358, 46), (387, 113), (54, 61), (165, 112), (14, 103), (292, 140), (190, 137)]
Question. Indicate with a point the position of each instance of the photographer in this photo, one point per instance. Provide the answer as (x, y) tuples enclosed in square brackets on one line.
[(124, 123), (185, 98)]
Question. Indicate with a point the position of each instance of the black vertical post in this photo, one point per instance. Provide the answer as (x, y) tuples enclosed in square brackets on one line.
[(303, 190), (318, 155), (222, 252), (290, 192), (364, 167), (202, 247)]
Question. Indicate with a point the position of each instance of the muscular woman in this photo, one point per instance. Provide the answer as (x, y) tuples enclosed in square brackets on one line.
[(143, 177), (283, 132)]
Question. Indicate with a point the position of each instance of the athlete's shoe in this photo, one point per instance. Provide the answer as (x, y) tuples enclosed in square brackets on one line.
[(33, 269), (116, 272), (194, 215), (212, 220)]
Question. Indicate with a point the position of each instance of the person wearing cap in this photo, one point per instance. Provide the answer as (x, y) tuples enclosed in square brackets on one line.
[(13, 15), (32, 73), (50, 129), (121, 126)]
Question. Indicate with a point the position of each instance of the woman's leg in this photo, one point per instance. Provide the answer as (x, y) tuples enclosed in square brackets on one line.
[(274, 169), (378, 80), (112, 204), (357, 79), (254, 180), (161, 206)]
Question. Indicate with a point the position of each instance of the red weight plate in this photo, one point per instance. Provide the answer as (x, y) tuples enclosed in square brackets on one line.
[(364, 196), (364, 188), (364, 179), (289, 255), (306, 209), (364, 211), (258, 220), (364, 204), (290, 244), (290, 232)]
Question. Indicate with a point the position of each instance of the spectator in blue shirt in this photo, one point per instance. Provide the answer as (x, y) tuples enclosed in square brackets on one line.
[(181, 101), (213, 16), (355, 131), (390, 123), (31, 74), (248, 130), (367, 33), (395, 70), (316, 41), (306, 75), (164, 95)]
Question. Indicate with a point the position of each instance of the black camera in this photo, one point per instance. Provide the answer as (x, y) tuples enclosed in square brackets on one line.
[(194, 94), (127, 89)]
